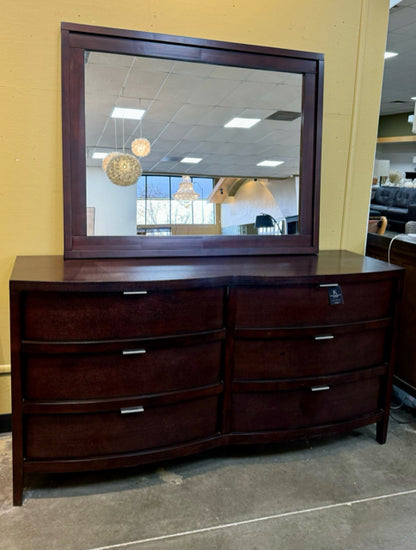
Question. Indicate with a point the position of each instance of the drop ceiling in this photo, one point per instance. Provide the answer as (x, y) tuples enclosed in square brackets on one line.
[(187, 106), (399, 81)]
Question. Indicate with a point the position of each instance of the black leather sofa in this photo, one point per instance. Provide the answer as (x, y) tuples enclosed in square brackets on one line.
[(397, 204)]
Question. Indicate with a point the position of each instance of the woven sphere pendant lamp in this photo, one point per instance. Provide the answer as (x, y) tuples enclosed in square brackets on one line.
[(106, 160), (124, 169), (141, 147)]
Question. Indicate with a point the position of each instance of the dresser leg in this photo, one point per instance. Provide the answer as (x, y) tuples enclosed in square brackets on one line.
[(17, 491), (18, 478), (381, 432)]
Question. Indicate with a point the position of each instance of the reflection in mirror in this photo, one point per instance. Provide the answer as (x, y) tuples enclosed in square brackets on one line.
[(229, 135)]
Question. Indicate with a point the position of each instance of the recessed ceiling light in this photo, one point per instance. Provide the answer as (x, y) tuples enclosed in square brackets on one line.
[(413, 98), (99, 154), (270, 163), (387, 55), (191, 160), (124, 112), (238, 122)]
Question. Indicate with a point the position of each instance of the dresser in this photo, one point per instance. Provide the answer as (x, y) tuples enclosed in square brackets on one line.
[(120, 362)]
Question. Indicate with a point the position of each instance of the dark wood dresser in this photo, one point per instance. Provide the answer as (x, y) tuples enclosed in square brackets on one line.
[(122, 362), (401, 251)]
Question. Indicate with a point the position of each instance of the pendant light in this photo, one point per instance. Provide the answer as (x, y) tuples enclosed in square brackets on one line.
[(123, 169), (186, 193)]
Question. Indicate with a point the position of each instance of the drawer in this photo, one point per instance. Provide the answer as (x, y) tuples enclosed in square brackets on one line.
[(97, 316), (298, 305), (325, 352), (302, 408), (143, 370), (105, 433)]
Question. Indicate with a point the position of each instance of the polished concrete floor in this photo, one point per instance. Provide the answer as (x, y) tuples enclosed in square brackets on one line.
[(345, 492)]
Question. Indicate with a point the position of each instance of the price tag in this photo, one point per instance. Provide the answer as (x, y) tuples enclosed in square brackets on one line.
[(335, 295)]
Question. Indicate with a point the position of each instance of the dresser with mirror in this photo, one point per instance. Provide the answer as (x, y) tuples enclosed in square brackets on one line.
[(191, 308)]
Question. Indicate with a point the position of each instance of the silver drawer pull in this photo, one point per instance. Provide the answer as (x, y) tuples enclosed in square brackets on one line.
[(132, 292), (325, 337), (133, 351), (132, 410), (327, 285), (320, 388)]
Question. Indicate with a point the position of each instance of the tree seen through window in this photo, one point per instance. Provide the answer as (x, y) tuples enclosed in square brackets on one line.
[(156, 205)]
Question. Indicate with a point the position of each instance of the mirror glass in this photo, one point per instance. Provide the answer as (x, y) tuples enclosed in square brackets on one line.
[(229, 135), (209, 148)]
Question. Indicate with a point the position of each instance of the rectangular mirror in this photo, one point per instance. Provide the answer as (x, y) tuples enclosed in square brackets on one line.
[(178, 146), (226, 138)]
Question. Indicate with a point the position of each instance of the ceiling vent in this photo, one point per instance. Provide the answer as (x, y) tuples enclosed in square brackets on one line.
[(171, 159), (287, 116)]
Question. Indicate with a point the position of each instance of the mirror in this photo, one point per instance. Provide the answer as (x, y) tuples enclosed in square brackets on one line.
[(233, 139), (186, 115)]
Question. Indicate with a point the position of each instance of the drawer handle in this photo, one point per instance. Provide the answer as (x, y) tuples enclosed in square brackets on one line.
[(132, 410), (133, 351), (320, 388), (325, 337), (134, 292), (327, 285)]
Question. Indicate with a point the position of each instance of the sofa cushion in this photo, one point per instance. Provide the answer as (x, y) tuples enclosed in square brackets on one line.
[(385, 195), (378, 210), (404, 197), (397, 214)]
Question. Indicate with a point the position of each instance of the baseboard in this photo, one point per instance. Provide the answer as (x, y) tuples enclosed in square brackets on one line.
[(5, 423)]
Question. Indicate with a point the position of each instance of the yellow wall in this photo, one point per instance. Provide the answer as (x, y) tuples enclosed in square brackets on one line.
[(5, 397), (351, 34)]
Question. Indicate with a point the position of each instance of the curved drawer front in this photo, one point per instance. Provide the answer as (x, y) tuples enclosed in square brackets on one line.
[(325, 352), (98, 316), (262, 411), (299, 305), (142, 370), (104, 433)]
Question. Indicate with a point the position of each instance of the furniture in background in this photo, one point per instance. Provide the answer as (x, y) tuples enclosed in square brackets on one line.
[(377, 224), (401, 251), (124, 362), (397, 204), (292, 223)]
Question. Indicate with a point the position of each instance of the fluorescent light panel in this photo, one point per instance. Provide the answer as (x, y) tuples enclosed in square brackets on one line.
[(124, 112), (270, 163), (387, 55), (99, 154), (191, 160), (239, 122)]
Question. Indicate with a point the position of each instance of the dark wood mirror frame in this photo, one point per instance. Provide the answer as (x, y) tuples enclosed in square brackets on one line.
[(76, 39)]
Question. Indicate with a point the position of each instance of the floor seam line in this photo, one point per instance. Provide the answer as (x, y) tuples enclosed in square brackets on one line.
[(255, 520)]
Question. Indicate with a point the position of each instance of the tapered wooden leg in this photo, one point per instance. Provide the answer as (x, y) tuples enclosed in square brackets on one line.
[(18, 472), (17, 488), (382, 426)]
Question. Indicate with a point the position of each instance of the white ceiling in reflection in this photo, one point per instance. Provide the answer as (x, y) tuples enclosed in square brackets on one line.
[(187, 105)]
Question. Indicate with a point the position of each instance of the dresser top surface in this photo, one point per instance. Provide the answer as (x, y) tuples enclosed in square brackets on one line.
[(54, 269)]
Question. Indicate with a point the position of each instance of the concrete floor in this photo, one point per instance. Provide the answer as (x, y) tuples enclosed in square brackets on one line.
[(345, 492)]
